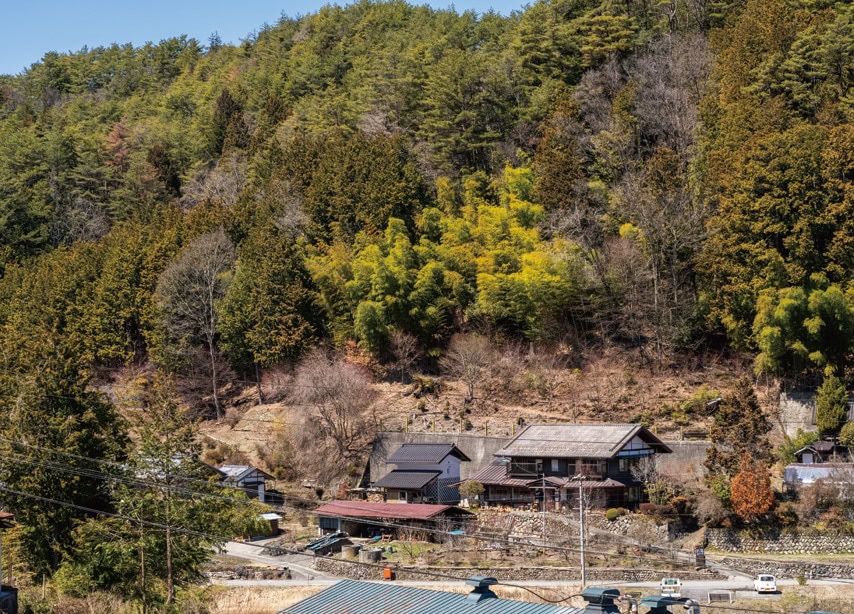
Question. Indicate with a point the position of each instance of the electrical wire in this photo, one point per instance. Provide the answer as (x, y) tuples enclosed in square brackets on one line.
[(365, 520), (219, 538)]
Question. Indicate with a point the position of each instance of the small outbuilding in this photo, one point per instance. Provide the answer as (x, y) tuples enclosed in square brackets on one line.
[(366, 518), (251, 480)]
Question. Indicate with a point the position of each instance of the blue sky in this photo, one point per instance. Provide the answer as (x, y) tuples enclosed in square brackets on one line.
[(30, 28)]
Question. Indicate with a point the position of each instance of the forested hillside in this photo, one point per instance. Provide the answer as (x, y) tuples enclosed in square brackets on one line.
[(669, 175)]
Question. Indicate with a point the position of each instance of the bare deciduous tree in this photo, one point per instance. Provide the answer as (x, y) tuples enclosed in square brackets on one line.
[(468, 359), (188, 293), (648, 471), (220, 185), (340, 394), (406, 353)]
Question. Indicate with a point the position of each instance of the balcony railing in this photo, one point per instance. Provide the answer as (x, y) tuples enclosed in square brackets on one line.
[(524, 470)]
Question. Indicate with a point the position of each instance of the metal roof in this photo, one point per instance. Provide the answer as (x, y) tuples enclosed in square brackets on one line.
[(371, 509), (798, 474), (238, 472), (433, 453), (407, 479), (354, 597), (577, 440)]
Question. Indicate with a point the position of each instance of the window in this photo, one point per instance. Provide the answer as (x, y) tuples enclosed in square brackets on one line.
[(626, 464), (634, 494), (401, 495), (592, 468), (555, 465)]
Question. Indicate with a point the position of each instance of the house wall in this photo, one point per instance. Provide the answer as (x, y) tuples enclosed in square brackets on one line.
[(450, 467), (478, 448)]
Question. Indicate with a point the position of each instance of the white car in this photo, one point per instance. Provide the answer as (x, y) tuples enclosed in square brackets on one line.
[(765, 583), (671, 587)]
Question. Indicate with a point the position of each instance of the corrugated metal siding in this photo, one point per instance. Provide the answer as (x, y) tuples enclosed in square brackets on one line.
[(352, 597)]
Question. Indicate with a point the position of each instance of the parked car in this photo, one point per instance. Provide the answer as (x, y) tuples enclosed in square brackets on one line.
[(671, 587), (765, 583)]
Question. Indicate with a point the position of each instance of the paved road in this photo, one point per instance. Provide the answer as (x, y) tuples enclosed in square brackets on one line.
[(299, 565)]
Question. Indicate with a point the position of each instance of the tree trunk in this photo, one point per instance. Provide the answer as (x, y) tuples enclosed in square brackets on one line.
[(143, 589), (212, 352), (170, 585), (258, 384)]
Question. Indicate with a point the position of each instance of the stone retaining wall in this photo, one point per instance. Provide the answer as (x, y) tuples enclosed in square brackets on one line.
[(356, 571), (779, 543), (793, 569)]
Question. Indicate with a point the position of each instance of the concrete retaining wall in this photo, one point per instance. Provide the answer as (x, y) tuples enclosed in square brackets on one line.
[(478, 448)]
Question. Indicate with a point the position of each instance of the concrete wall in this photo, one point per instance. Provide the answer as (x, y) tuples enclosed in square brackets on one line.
[(686, 460), (478, 448), (797, 410)]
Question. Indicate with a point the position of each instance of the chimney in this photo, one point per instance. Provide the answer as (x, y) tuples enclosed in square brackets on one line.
[(600, 600), (481, 590)]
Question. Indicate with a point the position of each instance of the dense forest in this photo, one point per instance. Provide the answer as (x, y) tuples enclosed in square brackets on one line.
[(675, 174)]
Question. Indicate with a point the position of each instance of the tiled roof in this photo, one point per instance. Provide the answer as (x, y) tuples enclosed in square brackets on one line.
[(577, 440), (354, 597), (371, 509), (407, 479), (496, 475), (425, 453)]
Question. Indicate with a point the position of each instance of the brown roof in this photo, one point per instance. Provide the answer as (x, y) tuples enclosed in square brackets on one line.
[(496, 475), (370, 509), (577, 440)]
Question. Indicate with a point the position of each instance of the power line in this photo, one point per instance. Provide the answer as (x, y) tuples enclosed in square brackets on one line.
[(365, 520), (214, 537)]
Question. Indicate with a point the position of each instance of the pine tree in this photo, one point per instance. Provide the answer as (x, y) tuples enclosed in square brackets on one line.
[(831, 405)]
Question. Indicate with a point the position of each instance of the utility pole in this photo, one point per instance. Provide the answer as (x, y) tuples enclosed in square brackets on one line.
[(581, 529), (544, 506)]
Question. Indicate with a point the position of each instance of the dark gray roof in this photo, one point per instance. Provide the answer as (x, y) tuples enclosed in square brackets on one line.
[(577, 440), (433, 453), (407, 479), (354, 597)]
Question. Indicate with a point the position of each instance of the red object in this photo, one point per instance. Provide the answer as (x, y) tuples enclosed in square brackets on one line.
[(388, 574)]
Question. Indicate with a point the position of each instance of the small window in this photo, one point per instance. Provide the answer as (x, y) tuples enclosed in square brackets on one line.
[(401, 495), (555, 465)]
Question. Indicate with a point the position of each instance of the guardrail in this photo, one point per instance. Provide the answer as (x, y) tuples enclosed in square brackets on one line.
[(720, 596)]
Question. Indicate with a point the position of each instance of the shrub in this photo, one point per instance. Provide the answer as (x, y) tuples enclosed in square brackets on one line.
[(846, 436), (657, 511), (612, 514)]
